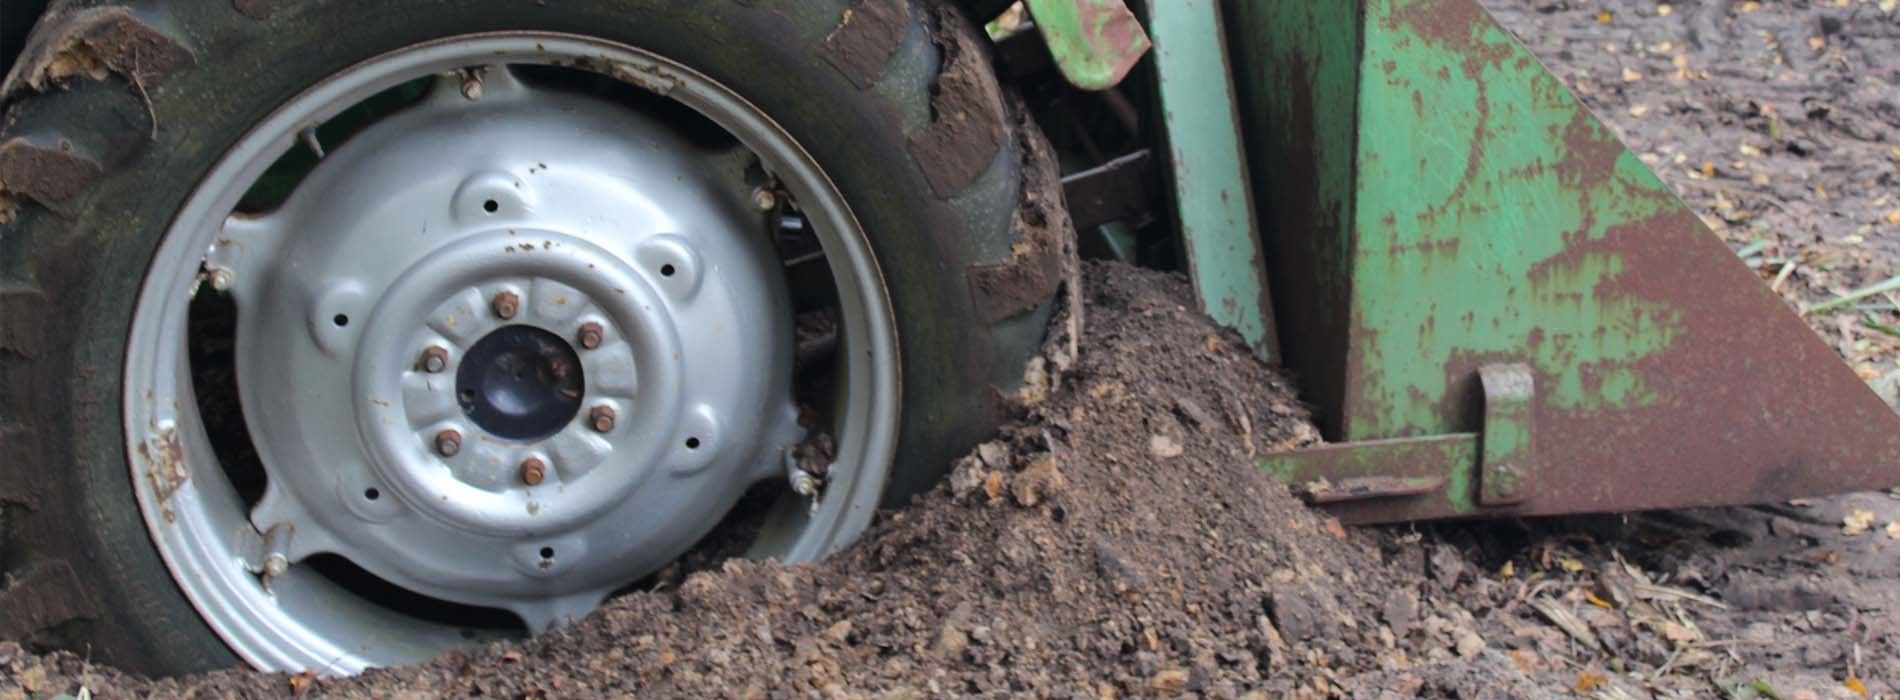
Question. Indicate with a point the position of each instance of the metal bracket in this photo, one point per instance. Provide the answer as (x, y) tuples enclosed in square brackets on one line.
[(1507, 460), (1433, 476)]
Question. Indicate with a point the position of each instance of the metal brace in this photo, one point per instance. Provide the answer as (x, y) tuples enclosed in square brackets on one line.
[(1507, 459)]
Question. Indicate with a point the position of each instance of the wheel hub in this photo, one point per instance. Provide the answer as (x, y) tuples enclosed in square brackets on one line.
[(520, 383)]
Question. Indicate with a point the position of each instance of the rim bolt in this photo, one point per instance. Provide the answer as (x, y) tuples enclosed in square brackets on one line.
[(601, 418), (533, 470), (763, 198), (435, 359), (447, 443), (590, 335), (472, 85), (506, 304)]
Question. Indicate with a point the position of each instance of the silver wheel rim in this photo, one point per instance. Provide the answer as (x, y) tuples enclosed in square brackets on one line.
[(354, 318)]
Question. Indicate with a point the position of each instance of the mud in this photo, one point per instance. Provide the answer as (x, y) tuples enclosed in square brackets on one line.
[(46, 175), (94, 43), (966, 111), (1042, 258), (864, 41)]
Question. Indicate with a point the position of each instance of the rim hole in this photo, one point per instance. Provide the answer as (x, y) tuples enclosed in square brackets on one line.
[(692, 443), (372, 494), (666, 270), (491, 206), (212, 349), (547, 552), (340, 320), (396, 600)]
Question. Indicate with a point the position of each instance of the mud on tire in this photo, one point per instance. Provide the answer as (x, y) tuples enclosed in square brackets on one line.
[(112, 115)]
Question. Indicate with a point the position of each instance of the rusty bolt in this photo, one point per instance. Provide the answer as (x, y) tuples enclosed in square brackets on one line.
[(447, 443), (590, 335), (506, 304), (472, 85), (601, 418), (435, 359), (533, 470), (764, 199)]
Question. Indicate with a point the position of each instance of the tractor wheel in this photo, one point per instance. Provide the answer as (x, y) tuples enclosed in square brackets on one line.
[(333, 335)]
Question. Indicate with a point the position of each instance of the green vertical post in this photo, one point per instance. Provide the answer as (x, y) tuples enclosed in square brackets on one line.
[(1213, 198)]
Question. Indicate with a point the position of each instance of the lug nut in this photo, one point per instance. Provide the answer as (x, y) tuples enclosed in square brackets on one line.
[(590, 335), (533, 470), (506, 304), (435, 359), (601, 418), (447, 443)]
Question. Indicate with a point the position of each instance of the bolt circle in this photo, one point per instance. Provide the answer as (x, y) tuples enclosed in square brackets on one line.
[(601, 418), (435, 359), (506, 304), (533, 471), (448, 443), (589, 335)]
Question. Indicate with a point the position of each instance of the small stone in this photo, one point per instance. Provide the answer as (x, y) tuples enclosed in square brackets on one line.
[(994, 454), (1401, 610), (1122, 577), (1293, 615), (1446, 565), (1164, 447), (1193, 413), (950, 642), (966, 477), (1469, 644), (839, 632), (1037, 482), (1172, 680)]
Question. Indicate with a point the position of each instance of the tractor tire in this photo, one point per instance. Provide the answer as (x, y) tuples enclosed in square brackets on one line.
[(115, 114)]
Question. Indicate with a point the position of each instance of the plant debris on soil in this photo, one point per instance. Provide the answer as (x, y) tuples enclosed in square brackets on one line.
[(1116, 540)]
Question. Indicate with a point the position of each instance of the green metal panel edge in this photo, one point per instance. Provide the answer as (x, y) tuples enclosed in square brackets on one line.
[(1094, 42), (1213, 198), (1296, 75)]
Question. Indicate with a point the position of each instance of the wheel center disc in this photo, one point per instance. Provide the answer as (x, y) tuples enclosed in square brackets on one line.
[(520, 383)]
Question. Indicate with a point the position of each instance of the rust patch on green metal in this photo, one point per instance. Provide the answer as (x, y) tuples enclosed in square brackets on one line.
[(1489, 220), (1094, 42)]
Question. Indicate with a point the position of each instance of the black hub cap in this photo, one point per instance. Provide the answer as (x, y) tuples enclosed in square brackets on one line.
[(520, 383)]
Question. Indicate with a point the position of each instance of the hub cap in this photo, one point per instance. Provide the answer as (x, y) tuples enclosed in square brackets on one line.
[(513, 347)]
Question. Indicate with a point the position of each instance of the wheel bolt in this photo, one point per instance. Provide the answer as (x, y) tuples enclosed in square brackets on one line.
[(590, 335), (601, 418), (435, 359), (506, 304), (533, 470), (447, 443), (763, 198)]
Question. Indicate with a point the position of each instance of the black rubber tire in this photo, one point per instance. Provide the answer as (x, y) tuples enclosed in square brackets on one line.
[(896, 100)]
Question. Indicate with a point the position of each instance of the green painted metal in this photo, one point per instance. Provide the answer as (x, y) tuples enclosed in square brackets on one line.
[(1213, 198), (1437, 204), (1094, 42)]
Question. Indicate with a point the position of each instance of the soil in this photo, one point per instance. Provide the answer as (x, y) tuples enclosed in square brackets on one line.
[(1115, 539)]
